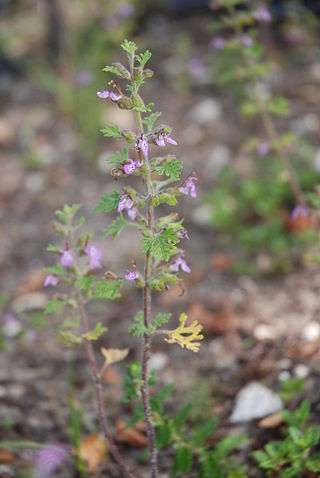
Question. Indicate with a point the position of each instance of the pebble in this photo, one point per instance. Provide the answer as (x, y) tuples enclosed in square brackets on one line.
[(311, 332), (264, 332), (158, 361), (34, 301), (301, 370), (34, 182), (254, 401), (218, 158), (202, 215), (205, 111)]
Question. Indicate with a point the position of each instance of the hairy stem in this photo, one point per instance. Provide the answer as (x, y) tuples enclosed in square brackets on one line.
[(146, 351), (98, 392)]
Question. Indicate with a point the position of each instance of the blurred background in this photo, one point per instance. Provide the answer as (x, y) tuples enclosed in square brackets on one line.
[(253, 285)]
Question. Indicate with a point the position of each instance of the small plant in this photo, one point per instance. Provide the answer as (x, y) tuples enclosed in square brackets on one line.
[(282, 174), (160, 240), (296, 454)]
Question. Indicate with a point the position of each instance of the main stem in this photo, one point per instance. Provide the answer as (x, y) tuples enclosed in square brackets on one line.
[(146, 352), (99, 397)]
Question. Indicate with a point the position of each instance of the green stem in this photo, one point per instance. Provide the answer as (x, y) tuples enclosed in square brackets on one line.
[(146, 351)]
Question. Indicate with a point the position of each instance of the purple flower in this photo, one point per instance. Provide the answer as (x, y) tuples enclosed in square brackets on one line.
[(246, 41), (299, 211), (189, 187), (218, 43), (11, 327), (131, 166), (180, 263), (263, 149), (143, 146), (125, 203), (104, 94), (263, 14), (132, 213), (131, 275), (163, 138), (84, 78), (183, 234), (51, 279), (125, 11), (66, 258), (46, 460), (95, 255), (196, 66)]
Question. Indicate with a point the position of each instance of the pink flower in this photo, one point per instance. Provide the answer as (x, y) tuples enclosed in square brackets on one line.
[(180, 263), (263, 14), (131, 275), (125, 203), (246, 41), (163, 138), (189, 187), (46, 460), (66, 258), (218, 43), (109, 94), (183, 234), (143, 146), (95, 255), (263, 149), (51, 279), (299, 211), (131, 166), (132, 213)]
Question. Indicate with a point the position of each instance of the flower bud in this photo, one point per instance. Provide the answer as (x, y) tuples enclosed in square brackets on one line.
[(125, 103), (122, 71), (138, 101), (129, 136), (147, 73), (138, 74)]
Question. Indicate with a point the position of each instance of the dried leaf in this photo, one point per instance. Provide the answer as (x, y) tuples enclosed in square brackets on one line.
[(6, 456), (114, 355), (186, 335), (93, 451), (271, 421), (131, 436)]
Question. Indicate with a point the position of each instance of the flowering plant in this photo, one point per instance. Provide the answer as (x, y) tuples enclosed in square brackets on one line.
[(161, 238)]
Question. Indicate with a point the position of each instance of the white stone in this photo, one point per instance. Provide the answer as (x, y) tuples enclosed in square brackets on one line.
[(205, 111), (255, 401), (158, 361), (264, 332), (32, 301), (34, 183), (284, 375), (217, 159), (301, 370), (311, 332), (202, 215)]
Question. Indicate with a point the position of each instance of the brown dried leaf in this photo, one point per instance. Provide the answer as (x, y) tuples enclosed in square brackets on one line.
[(271, 421), (130, 436), (93, 451), (6, 456)]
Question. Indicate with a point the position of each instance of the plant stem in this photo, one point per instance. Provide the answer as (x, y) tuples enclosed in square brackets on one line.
[(146, 351), (99, 397)]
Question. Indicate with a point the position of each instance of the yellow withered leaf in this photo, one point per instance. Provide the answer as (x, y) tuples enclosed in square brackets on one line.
[(186, 336), (114, 355)]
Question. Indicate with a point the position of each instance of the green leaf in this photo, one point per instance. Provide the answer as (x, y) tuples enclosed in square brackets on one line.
[(116, 226), (151, 119), (138, 329), (96, 332), (68, 212), (53, 248), (129, 46), (143, 58), (225, 446), (171, 169), (54, 306), (57, 269), (182, 415), (107, 289), (118, 157), (313, 463), (108, 202), (118, 69), (161, 245), (69, 338), (112, 131), (161, 319), (295, 434), (182, 460), (84, 282), (204, 431), (278, 106)]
